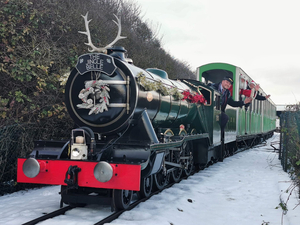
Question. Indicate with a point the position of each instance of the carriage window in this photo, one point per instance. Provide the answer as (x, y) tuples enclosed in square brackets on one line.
[(256, 106), (260, 107), (206, 93)]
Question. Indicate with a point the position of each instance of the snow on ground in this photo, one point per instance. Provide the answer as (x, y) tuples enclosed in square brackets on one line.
[(246, 189)]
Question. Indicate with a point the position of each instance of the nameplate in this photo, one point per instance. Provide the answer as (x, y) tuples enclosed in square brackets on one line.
[(96, 62)]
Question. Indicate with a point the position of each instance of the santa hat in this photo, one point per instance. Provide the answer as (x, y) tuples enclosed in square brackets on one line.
[(252, 82), (243, 76)]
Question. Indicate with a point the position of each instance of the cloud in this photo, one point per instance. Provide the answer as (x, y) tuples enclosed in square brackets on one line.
[(261, 37)]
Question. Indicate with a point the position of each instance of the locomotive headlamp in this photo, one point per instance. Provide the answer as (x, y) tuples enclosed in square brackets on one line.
[(79, 149), (75, 152), (103, 171), (31, 167)]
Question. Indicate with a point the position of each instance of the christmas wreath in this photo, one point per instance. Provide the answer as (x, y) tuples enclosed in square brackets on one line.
[(95, 96)]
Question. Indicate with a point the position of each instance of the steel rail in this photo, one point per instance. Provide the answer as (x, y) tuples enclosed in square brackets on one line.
[(116, 214), (49, 215)]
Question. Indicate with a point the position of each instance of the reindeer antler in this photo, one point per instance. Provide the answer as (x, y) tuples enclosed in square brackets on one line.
[(119, 37), (87, 32)]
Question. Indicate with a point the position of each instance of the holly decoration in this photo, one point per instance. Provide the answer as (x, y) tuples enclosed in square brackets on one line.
[(194, 98)]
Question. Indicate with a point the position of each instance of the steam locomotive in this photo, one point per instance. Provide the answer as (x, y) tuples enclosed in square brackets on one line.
[(137, 131)]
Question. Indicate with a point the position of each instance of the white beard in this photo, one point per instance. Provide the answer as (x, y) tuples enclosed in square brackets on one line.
[(243, 85)]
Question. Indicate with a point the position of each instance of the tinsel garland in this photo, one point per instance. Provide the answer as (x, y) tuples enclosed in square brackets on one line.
[(159, 87)]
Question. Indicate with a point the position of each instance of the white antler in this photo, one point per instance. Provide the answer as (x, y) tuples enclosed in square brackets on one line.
[(119, 37), (87, 32)]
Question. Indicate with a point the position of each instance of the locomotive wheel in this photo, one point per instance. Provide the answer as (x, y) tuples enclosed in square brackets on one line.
[(188, 152), (146, 186), (162, 178), (177, 172), (122, 199)]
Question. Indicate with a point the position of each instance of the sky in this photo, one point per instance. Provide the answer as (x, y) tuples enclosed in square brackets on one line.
[(260, 36), (245, 188)]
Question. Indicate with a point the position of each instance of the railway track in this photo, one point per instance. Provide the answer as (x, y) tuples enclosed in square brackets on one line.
[(55, 213), (108, 219)]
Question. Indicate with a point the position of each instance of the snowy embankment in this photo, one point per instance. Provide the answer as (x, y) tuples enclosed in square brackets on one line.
[(245, 189)]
